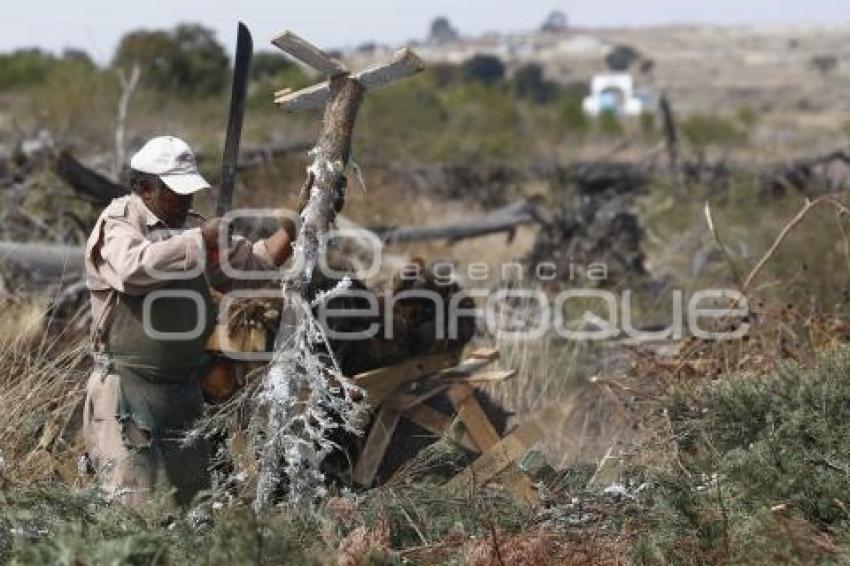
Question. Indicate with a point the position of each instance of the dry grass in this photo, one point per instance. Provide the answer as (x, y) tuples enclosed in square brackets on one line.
[(42, 386), (23, 320)]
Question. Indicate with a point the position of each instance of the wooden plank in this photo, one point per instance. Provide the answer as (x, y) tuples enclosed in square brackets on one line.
[(480, 428), (436, 384), (519, 485), (404, 401), (485, 436), (304, 99), (380, 383), (402, 64), (438, 423), (376, 446), (506, 451), (485, 353), (465, 368), (309, 54), (487, 377)]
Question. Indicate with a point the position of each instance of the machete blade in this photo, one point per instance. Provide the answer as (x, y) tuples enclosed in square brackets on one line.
[(244, 49)]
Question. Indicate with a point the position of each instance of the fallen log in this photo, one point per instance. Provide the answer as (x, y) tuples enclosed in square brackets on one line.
[(505, 219), (42, 262), (803, 175), (258, 155), (85, 180), (101, 189)]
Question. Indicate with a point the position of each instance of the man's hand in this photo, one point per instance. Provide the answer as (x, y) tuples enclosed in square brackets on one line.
[(279, 244), (210, 231)]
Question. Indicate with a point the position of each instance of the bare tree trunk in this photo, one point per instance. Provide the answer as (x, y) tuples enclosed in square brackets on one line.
[(671, 140), (307, 384), (128, 87)]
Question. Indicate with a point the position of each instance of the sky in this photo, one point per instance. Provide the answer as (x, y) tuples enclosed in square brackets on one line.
[(97, 25)]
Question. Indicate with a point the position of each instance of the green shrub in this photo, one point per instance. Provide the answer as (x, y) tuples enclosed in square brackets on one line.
[(765, 469), (647, 123), (529, 84), (76, 102), (747, 117), (419, 120), (622, 57), (272, 78), (486, 69), (265, 64), (609, 124), (570, 115), (29, 67), (703, 131)]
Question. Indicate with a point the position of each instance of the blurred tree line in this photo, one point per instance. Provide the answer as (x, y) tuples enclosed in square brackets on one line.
[(479, 108), (27, 67), (187, 60)]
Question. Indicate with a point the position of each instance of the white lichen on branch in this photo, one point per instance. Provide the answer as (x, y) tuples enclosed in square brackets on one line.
[(304, 394), (324, 296), (307, 398)]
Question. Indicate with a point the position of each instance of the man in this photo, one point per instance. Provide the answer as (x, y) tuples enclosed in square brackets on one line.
[(149, 264)]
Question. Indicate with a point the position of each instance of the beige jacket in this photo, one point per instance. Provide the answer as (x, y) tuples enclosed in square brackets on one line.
[(129, 245)]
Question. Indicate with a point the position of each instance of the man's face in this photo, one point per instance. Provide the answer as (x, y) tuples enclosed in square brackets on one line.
[(168, 206)]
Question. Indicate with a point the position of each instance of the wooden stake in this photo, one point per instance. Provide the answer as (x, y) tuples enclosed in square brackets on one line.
[(402, 64), (438, 423), (309, 54), (376, 446), (381, 383), (485, 436), (503, 453)]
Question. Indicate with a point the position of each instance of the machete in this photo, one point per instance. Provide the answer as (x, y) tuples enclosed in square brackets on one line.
[(244, 47)]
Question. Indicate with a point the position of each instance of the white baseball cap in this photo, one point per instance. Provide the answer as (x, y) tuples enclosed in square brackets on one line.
[(172, 160)]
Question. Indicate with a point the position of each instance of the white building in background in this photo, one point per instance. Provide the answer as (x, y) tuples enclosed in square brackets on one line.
[(613, 92)]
